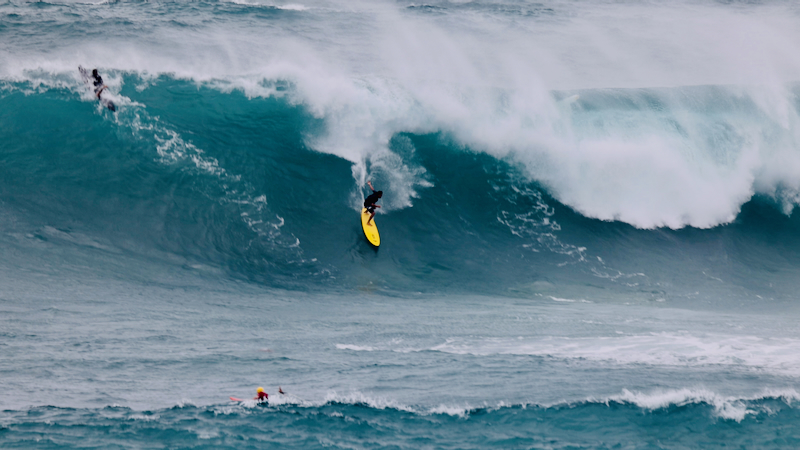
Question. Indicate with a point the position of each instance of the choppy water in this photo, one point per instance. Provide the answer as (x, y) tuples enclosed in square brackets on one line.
[(588, 237)]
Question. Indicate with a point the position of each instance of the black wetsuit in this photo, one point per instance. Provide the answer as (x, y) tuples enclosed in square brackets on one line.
[(370, 201), (98, 82)]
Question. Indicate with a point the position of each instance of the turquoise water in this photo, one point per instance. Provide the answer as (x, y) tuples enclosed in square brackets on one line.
[(588, 228)]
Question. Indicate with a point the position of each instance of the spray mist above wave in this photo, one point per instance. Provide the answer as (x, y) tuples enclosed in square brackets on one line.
[(485, 74)]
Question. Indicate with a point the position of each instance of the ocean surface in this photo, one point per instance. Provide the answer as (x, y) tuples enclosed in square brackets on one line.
[(589, 236)]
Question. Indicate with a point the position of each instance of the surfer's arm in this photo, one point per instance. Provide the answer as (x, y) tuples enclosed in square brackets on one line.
[(369, 183)]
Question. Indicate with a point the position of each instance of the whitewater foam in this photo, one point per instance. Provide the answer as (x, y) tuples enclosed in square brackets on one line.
[(726, 407), (774, 355), (358, 398)]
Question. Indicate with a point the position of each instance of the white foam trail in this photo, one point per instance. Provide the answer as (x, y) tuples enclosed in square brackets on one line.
[(287, 6), (355, 348), (145, 417)]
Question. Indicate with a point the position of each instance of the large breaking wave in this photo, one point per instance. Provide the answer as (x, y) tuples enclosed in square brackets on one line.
[(512, 159)]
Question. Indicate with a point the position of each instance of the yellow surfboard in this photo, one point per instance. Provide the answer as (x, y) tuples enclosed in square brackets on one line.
[(371, 230)]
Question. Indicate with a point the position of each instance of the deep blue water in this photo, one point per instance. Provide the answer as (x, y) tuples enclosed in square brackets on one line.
[(588, 227)]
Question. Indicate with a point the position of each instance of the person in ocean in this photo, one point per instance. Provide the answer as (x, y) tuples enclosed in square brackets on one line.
[(261, 396), (98, 83), (370, 201)]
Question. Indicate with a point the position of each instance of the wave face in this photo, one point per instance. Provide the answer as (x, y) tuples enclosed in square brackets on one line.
[(199, 177), (588, 223)]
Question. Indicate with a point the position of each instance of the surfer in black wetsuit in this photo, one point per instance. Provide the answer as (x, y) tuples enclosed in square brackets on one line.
[(370, 201), (98, 83)]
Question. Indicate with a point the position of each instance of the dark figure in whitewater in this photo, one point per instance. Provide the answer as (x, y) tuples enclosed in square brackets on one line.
[(370, 201), (98, 83)]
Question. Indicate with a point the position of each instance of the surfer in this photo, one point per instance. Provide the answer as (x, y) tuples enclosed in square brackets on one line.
[(95, 79), (261, 396), (98, 83), (370, 201)]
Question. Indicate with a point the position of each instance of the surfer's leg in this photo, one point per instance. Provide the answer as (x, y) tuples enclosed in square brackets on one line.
[(370, 217)]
